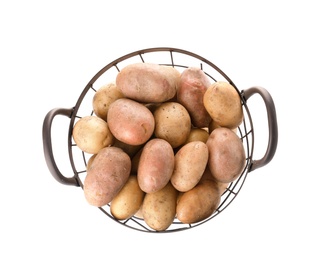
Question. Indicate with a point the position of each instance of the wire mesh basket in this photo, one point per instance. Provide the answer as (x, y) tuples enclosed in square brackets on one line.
[(179, 59)]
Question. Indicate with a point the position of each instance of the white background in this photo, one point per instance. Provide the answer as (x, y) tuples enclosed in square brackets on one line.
[(51, 49)]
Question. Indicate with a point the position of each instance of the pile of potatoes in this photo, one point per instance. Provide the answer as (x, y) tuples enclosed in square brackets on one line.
[(163, 144)]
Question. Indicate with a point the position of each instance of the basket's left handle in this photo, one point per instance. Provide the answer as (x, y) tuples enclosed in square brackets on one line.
[(272, 125), (47, 146)]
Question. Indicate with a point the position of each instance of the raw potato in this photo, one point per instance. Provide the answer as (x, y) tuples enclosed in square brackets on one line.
[(223, 103), (147, 82), (91, 134), (156, 165), (172, 123), (159, 208), (190, 163), (106, 176), (198, 134), (103, 97), (193, 84), (198, 203), (130, 122), (226, 155), (90, 160), (128, 201)]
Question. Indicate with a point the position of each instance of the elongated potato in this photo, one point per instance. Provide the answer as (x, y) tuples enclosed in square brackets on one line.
[(198, 203), (193, 84), (130, 122), (103, 97), (190, 163), (128, 201), (91, 134), (172, 123), (223, 104), (159, 208), (226, 155), (148, 82), (155, 166), (106, 176)]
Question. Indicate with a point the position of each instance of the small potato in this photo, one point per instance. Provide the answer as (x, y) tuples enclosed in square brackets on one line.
[(198, 203), (223, 104), (193, 84), (198, 134), (128, 201), (226, 155), (156, 165), (130, 122), (103, 97), (190, 163), (148, 82), (159, 208), (90, 160), (106, 176), (172, 123), (131, 150), (91, 134)]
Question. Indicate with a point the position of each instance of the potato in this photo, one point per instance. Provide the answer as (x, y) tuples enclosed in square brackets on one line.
[(128, 201), (91, 134), (172, 123), (190, 163), (131, 150), (198, 203), (130, 122), (226, 155), (197, 134), (213, 125), (106, 176), (148, 82), (103, 97), (223, 103), (208, 175), (159, 208), (193, 84), (156, 165), (90, 160)]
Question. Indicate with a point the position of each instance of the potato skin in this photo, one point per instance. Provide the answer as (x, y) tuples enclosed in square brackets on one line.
[(193, 84), (190, 164), (155, 166), (159, 208), (223, 104), (91, 134), (198, 134), (106, 176), (148, 82), (128, 201), (172, 123), (103, 97), (226, 155), (130, 122), (198, 203)]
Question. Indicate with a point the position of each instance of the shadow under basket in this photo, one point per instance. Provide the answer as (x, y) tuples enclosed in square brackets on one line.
[(179, 59)]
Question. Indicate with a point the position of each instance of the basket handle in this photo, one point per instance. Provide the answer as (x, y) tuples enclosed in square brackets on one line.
[(272, 125), (47, 145)]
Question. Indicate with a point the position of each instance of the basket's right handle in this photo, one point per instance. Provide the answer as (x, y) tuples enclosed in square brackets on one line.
[(47, 146), (272, 125)]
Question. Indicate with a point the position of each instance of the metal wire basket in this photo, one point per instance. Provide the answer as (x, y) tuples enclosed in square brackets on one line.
[(179, 59)]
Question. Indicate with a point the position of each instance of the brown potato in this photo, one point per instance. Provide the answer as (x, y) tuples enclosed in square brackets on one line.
[(172, 123), (197, 134), (103, 97), (193, 84), (90, 160), (156, 165), (223, 103), (198, 203), (130, 122), (106, 176), (91, 134), (190, 163), (226, 155), (147, 82), (159, 208), (128, 201)]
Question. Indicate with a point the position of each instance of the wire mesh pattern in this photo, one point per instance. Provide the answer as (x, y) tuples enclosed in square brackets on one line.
[(180, 59)]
